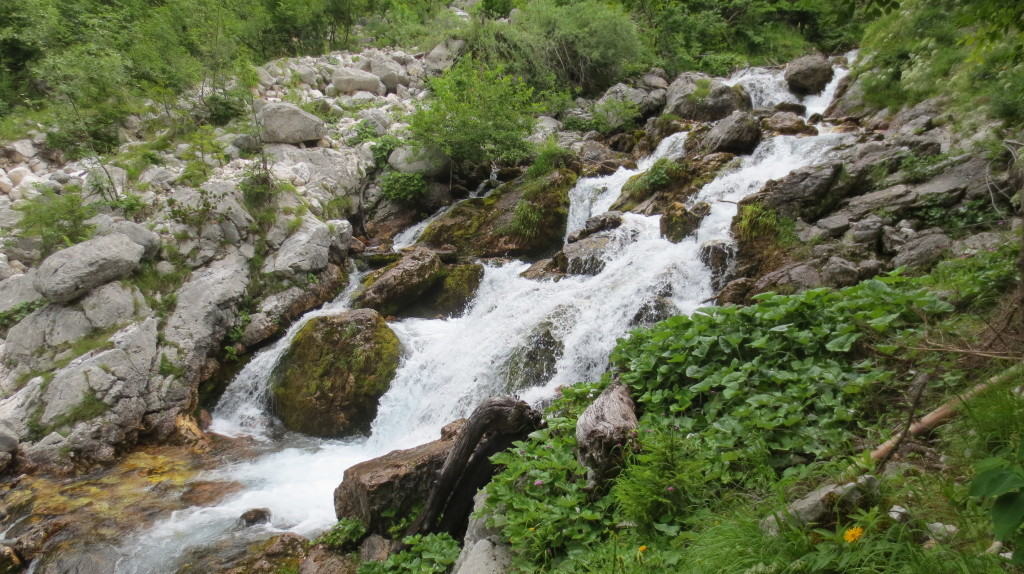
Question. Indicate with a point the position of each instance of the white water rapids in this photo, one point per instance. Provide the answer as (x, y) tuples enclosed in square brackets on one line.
[(449, 365)]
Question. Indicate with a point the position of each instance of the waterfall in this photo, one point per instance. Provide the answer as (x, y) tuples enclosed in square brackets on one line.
[(243, 408), (449, 365), (767, 87)]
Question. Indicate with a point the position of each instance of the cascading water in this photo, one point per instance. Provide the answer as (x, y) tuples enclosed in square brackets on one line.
[(767, 87), (451, 364)]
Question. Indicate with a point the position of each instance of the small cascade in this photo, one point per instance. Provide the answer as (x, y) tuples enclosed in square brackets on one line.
[(451, 364), (243, 410), (767, 87), (595, 195), (412, 234)]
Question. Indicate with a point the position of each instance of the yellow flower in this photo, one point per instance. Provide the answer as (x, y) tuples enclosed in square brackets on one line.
[(853, 534), (643, 548)]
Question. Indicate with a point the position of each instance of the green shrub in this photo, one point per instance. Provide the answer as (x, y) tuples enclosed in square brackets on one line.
[(657, 178), (550, 156), (539, 499), (343, 536), (407, 188), (614, 115), (477, 115), (57, 220), (430, 554), (526, 219), (222, 107), (588, 45)]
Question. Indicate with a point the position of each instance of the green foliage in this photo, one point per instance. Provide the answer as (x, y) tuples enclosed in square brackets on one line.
[(539, 499), (526, 219), (976, 282), (587, 44), (477, 115), (614, 115), (716, 37), (15, 314), (409, 188), (971, 51), (791, 367), (343, 536), (657, 178), (1003, 481), (550, 156), (57, 220), (430, 554), (754, 221)]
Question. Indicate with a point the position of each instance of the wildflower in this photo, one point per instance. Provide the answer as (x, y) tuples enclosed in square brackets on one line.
[(642, 548), (538, 482), (532, 529), (853, 534), (670, 488)]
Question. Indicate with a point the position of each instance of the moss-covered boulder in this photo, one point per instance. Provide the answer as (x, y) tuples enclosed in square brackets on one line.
[(679, 222), (523, 218), (400, 284), (329, 380), (533, 363), (451, 293)]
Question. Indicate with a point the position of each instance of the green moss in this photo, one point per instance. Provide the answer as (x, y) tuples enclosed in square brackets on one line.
[(486, 227), (329, 380), (451, 294)]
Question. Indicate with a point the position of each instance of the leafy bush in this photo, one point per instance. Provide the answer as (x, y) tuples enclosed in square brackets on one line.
[(550, 156), (430, 554), (658, 177), (477, 115), (343, 536), (403, 187), (57, 220), (539, 500), (614, 115), (526, 219), (789, 366), (588, 44)]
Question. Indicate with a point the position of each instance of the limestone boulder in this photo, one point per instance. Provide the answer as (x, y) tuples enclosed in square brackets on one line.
[(328, 382), (808, 75), (74, 271), (307, 250), (427, 161), (739, 133), (289, 124), (352, 80), (695, 96)]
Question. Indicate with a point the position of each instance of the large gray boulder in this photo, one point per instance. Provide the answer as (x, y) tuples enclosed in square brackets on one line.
[(287, 123), (18, 290), (427, 161), (72, 272), (325, 173), (443, 55), (695, 96), (923, 250), (351, 80), (391, 73), (739, 133), (808, 75), (305, 251), (401, 283), (205, 310)]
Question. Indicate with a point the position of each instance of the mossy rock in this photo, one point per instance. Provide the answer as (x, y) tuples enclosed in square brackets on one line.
[(329, 380), (533, 363), (400, 284), (450, 295), (488, 227)]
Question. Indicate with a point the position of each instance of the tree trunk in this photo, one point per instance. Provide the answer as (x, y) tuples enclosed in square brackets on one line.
[(603, 431), (492, 427)]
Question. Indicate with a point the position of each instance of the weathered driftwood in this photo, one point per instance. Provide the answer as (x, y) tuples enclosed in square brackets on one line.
[(1013, 375), (492, 428), (602, 431)]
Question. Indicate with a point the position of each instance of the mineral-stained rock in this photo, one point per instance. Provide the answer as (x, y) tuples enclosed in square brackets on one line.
[(382, 491), (678, 221), (329, 380), (399, 284)]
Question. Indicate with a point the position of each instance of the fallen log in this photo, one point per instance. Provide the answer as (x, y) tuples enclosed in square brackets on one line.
[(946, 411), (492, 428), (602, 432)]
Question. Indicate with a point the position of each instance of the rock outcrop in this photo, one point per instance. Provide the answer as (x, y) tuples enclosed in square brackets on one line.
[(808, 75), (695, 96), (290, 124)]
